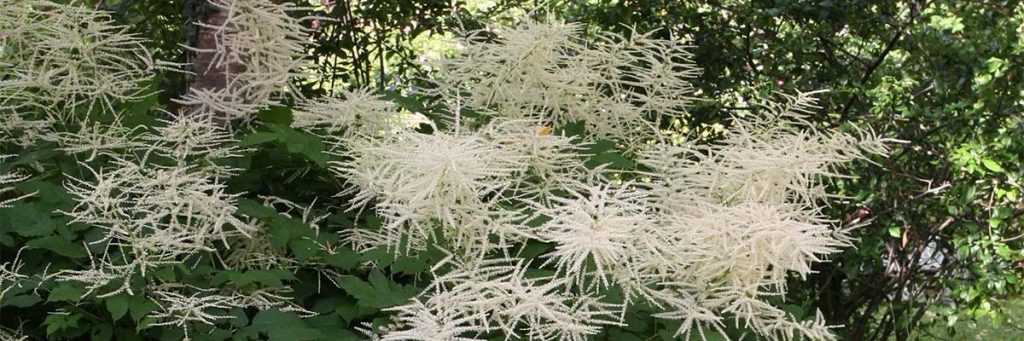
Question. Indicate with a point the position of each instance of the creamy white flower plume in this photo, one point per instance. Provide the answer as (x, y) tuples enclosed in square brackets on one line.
[(60, 56), (617, 86), (10, 274), (260, 47), (358, 112), (95, 138), (193, 140), (416, 179), (7, 334), (24, 131), (496, 295), (553, 162), (182, 305), (9, 178), (706, 234), (597, 227)]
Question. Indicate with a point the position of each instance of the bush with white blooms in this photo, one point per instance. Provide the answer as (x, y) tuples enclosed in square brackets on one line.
[(522, 150)]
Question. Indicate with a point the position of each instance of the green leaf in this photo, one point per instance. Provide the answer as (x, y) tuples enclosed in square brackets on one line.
[(49, 196), (304, 248), (380, 256), (301, 143), (118, 306), (343, 258), (140, 306), (101, 332), (613, 160), (895, 231), (333, 328), (281, 115), (993, 166), (266, 278), (410, 265), (620, 335), (59, 322), (20, 301), (1004, 251), (282, 326), (379, 292), (283, 230), (359, 289), (65, 292), (28, 220), (31, 157), (256, 138), (59, 245), (533, 248), (254, 209)]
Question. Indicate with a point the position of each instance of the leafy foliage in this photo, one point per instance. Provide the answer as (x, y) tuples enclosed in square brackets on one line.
[(940, 220)]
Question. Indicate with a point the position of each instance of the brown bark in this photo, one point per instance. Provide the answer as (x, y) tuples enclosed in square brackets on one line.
[(208, 75), (211, 73)]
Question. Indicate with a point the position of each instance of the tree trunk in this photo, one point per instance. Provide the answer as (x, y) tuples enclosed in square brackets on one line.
[(210, 72)]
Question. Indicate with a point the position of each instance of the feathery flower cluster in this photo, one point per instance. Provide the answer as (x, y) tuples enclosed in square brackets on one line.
[(109, 139), (416, 179), (9, 275), (181, 305), (157, 212), (11, 335), (714, 231), (7, 179), (260, 48), (496, 295), (358, 112), (159, 196), (547, 70), (56, 57), (23, 131)]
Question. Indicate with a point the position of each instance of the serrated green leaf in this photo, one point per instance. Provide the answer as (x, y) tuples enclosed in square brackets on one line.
[(379, 256), (256, 138), (27, 220), (343, 258), (304, 248), (117, 305), (101, 332), (895, 231), (993, 166), (410, 265), (254, 209), (1004, 251), (533, 248), (280, 115), (49, 196), (30, 157), (301, 143), (380, 292), (19, 301), (65, 292), (282, 326), (266, 278), (358, 288), (59, 322), (140, 306), (620, 335), (59, 245)]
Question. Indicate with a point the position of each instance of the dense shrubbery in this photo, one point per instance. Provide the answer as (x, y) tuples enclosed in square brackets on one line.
[(514, 210), (541, 180)]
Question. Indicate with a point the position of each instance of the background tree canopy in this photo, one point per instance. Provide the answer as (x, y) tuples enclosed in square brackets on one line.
[(940, 250)]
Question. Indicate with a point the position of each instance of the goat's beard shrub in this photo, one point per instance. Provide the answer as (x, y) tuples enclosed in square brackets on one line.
[(524, 181), (704, 235)]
